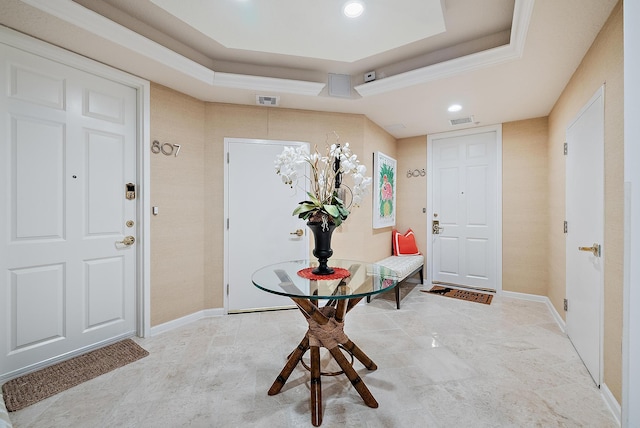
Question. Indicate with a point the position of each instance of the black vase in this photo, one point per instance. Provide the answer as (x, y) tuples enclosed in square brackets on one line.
[(322, 248)]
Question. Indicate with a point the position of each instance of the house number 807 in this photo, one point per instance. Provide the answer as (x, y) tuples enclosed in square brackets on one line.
[(165, 148)]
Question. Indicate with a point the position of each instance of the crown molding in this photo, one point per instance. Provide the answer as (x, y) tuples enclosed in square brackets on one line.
[(94, 23), (270, 84), (98, 25), (522, 12), (75, 14)]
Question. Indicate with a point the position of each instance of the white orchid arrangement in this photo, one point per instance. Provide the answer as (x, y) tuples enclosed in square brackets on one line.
[(325, 179)]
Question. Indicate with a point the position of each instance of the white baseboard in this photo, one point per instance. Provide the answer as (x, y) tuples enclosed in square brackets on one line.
[(541, 299), (612, 403), (188, 319)]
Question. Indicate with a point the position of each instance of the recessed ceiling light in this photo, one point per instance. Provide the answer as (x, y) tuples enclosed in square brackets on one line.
[(353, 9), (454, 107)]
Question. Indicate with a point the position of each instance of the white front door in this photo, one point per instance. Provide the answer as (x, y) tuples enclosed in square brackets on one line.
[(67, 147), (464, 208), (261, 229), (585, 229)]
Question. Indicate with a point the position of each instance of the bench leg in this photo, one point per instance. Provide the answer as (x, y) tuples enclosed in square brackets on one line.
[(398, 296), (421, 278)]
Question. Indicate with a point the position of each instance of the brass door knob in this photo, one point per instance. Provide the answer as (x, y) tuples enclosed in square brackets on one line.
[(298, 232), (595, 249), (128, 240)]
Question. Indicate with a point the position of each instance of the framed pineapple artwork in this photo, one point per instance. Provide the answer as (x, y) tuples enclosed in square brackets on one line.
[(384, 190)]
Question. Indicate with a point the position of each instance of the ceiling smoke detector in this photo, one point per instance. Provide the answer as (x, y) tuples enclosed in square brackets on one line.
[(267, 100), (461, 120)]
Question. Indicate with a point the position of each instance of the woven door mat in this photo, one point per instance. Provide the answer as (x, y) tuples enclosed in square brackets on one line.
[(470, 296), (33, 387)]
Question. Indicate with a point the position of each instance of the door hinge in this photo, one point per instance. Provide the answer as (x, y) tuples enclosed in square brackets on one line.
[(566, 305), (566, 148), (227, 157), (227, 223), (566, 227), (228, 290)]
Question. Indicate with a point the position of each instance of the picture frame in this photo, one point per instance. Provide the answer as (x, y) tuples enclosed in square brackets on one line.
[(384, 190)]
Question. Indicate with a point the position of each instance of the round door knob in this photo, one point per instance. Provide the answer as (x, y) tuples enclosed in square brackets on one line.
[(298, 232), (128, 240)]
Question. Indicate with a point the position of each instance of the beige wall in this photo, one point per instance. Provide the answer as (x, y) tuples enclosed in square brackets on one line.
[(188, 235), (177, 189), (524, 199), (377, 242), (355, 238), (603, 63), (412, 192), (525, 206)]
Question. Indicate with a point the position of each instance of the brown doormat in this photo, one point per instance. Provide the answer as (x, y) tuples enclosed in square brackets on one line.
[(471, 296), (33, 387)]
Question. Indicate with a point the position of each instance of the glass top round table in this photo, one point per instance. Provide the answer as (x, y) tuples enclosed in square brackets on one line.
[(348, 285), (351, 279)]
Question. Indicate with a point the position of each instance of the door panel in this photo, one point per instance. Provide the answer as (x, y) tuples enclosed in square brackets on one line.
[(105, 291), (464, 195), (477, 197), (68, 140), (477, 260), (105, 188), (585, 220), (261, 227), (37, 293), (37, 190)]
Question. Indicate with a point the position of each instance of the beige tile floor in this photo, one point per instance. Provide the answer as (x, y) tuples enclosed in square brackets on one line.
[(442, 363)]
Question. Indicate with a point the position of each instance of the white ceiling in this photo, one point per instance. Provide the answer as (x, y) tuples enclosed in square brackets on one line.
[(502, 60), (308, 28)]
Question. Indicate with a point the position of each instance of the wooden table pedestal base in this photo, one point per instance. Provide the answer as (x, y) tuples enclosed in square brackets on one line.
[(326, 329)]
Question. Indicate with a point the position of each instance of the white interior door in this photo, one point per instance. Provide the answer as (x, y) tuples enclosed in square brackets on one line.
[(585, 229), (261, 229), (68, 146), (464, 204)]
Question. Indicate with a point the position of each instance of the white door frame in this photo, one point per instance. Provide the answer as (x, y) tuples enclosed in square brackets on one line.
[(631, 318), (599, 376), (471, 131), (226, 206), (142, 87)]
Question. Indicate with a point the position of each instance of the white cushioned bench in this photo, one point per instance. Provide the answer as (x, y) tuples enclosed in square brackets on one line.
[(405, 267)]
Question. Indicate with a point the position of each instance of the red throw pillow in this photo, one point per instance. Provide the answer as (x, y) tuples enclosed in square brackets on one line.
[(404, 245)]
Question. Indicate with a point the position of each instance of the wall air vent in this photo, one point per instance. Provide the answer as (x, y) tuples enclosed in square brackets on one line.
[(270, 101), (461, 120)]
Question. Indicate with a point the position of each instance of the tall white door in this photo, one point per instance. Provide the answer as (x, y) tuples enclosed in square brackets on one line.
[(585, 233), (67, 148), (261, 229), (464, 223)]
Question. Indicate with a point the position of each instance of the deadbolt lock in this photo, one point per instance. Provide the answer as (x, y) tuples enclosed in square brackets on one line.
[(130, 191), (130, 223), (435, 227)]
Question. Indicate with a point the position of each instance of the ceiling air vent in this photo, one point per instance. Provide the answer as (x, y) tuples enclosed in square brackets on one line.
[(461, 120), (270, 101)]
